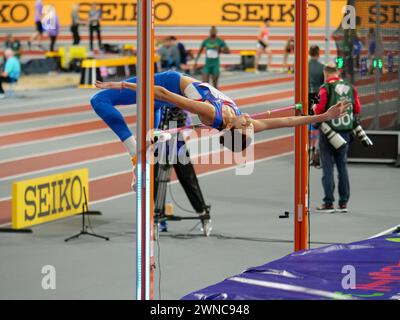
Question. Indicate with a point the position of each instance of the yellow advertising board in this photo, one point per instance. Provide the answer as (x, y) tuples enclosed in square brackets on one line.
[(389, 13), (18, 13), (49, 198)]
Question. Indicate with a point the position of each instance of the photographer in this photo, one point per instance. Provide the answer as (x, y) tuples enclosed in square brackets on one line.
[(334, 147), (184, 171)]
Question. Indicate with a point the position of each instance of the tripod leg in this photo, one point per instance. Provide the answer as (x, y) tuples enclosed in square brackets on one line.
[(157, 201), (163, 183), (97, 236), (76, 236)]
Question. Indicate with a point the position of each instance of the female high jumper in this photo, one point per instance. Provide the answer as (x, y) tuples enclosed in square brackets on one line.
[(213, 108)]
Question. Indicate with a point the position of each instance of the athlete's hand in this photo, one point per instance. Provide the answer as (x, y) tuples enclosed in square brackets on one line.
[(338, 110), (242, 122), (108, 85)]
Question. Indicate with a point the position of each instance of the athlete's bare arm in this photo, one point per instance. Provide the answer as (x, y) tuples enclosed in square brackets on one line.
[(225, 50), (198, 56), (336, 111)]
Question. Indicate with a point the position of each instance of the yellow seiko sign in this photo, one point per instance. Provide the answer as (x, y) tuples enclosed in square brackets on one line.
[(49, 198), (17, 13)]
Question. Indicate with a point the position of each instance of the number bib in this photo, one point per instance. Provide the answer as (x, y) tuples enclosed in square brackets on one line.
[(212, 53), (341, 91)]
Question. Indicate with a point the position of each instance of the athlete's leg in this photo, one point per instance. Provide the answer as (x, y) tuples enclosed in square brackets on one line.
[(104, 103), (285, 58), (205, 76), (170, 80), (269, 52), (260, 51), (215, 76)]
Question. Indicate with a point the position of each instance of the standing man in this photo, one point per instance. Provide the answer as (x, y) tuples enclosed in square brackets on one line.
[(94, 25), (38, 24), (75, 23), (263, 44), (213, 46), (333, 91), (315, 81), (12, 70), (316, 75)]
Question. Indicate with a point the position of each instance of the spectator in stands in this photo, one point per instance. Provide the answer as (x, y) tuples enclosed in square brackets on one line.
[(371, 42), (75, 23), (357, 47), (315, 75), (51, 24), (38, 22), (333, 91), (371, 38), (315, 81), (213, 46), (14, 44), (12, 70), (169, 55), (289, 49), (183, 54), (263, 44), (94, 25)]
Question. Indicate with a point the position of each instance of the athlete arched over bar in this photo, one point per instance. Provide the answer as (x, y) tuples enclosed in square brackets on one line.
[(214, 109)]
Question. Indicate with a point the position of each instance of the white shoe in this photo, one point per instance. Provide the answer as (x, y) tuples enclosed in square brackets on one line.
[(2, 95)]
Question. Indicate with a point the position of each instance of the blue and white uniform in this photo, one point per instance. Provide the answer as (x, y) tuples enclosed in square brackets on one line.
[(104, 102), (204, 92)]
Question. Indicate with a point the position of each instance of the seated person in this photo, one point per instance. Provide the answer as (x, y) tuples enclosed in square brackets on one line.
[(12, 70)]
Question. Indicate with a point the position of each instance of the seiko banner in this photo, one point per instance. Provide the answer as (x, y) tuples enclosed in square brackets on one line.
[(15, 13), (49, 198)]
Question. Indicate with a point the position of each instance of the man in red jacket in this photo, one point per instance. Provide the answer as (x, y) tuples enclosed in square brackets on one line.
[(333, 91)]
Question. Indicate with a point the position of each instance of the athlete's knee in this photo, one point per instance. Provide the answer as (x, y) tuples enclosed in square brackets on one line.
[(99, 103)]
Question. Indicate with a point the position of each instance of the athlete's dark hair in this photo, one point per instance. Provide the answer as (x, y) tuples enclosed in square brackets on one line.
[(234, 140), (267, 20)]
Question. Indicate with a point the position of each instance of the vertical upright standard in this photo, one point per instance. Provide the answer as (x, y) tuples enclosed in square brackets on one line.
[(301, 136), (144, 173)]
